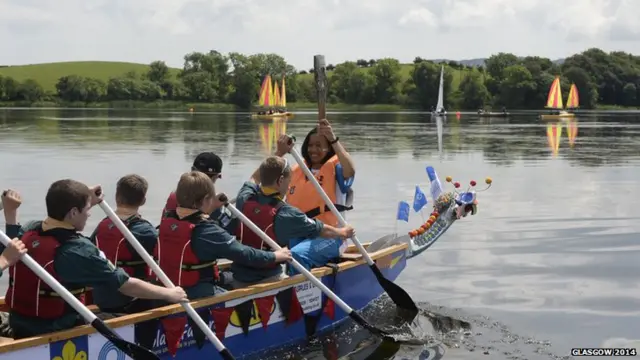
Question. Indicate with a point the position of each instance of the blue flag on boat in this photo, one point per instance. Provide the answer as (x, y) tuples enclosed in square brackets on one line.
[(403, 211), (419, 199), (436, 186)]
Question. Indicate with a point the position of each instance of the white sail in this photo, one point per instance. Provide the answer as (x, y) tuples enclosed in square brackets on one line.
[(440, 106)]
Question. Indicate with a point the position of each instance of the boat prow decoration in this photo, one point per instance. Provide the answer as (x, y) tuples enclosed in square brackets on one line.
[(448, 208)]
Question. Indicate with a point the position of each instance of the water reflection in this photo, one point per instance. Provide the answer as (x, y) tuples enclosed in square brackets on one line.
[(553, 249), (500, 141)]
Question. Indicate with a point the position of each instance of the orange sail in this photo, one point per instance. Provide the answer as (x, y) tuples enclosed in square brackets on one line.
[(266, 92), (554, 132), (276, 95), (554, 100), (573, 99), (572, 132)]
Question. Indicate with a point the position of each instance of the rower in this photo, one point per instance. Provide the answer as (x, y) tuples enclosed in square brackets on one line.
[(207, 163), (334, 169), (131, 192), (57, 245), (190, 244), (263, 204)]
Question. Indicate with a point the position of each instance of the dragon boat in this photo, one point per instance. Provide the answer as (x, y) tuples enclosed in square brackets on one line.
[(258, 318)]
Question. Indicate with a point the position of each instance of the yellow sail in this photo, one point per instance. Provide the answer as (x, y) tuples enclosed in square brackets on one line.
[(554, 133), (266, 93), (283, 94), (276, 95), (573, 99), (554, 100)]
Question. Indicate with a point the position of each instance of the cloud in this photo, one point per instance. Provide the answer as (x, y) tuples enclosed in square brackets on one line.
[(145, 30)]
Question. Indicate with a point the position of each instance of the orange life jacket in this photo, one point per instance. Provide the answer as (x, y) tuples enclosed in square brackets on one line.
[(263, 215), (27, 294), (117, 249), (304, 196), (175, 255)]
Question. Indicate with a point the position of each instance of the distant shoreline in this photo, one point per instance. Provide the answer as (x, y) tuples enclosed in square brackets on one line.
[(298, 106)]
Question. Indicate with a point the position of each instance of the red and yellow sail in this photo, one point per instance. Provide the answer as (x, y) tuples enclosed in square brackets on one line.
[(554, 100), (283, 94), (266, 93), (572, 131), (573, 99), (276, 95), (554, 133)]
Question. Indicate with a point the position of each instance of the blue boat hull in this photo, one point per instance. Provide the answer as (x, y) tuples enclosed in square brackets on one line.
[(248, 321)]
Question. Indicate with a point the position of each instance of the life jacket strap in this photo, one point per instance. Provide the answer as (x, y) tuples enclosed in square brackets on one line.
[(50, 293), (195, 267)]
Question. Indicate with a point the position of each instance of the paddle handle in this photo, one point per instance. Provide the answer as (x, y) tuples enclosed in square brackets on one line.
[(163, 278), (325, 197), (274, 245), (88, 316)]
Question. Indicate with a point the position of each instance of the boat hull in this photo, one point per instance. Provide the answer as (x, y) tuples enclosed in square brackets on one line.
[(247, 324), (494, 114), (557, 116), (271, 116)]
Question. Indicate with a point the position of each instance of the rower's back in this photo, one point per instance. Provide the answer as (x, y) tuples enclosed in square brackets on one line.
[(131, 192)]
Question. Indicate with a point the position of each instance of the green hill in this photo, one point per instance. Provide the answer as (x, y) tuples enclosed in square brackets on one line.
[(406, 69), (48, 74)]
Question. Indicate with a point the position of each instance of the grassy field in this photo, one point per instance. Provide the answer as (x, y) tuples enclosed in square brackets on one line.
[(48, 74), (405, 71)]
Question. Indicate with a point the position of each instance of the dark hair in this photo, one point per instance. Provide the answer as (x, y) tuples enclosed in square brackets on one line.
[(64, 195), (305, 151), (272, 168), (131, 190)]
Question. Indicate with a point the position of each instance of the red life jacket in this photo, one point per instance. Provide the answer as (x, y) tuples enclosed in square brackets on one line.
[(263, 215), (118, 250), (171, 205), (175, 255), (27, 294)]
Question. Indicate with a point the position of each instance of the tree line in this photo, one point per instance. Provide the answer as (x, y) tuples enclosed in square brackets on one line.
[(504, 80)]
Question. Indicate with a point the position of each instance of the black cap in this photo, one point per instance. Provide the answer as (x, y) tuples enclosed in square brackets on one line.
[(208, 162)]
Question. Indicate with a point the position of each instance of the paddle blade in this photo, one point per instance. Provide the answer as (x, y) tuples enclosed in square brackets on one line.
[(134, 351), (395, 292)]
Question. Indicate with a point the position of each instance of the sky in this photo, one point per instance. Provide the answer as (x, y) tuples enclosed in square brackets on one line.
[(37, 31)]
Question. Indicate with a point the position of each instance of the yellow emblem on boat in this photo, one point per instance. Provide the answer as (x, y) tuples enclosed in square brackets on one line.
[(234, 320), (69, 353)]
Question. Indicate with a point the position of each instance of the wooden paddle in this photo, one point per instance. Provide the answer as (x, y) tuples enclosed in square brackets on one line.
[(395, 292), (224, 352), (132, 350), (346, 308)]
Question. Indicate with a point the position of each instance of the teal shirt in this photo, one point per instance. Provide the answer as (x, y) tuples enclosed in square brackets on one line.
[(289, 224), (147, 235), (77, 264)]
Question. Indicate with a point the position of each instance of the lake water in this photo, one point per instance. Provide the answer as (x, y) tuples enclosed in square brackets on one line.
[(549, 263)]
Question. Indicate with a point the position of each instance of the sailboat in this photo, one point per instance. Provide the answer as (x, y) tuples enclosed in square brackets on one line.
[(272, 100), (554, 101), (439, 111)]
